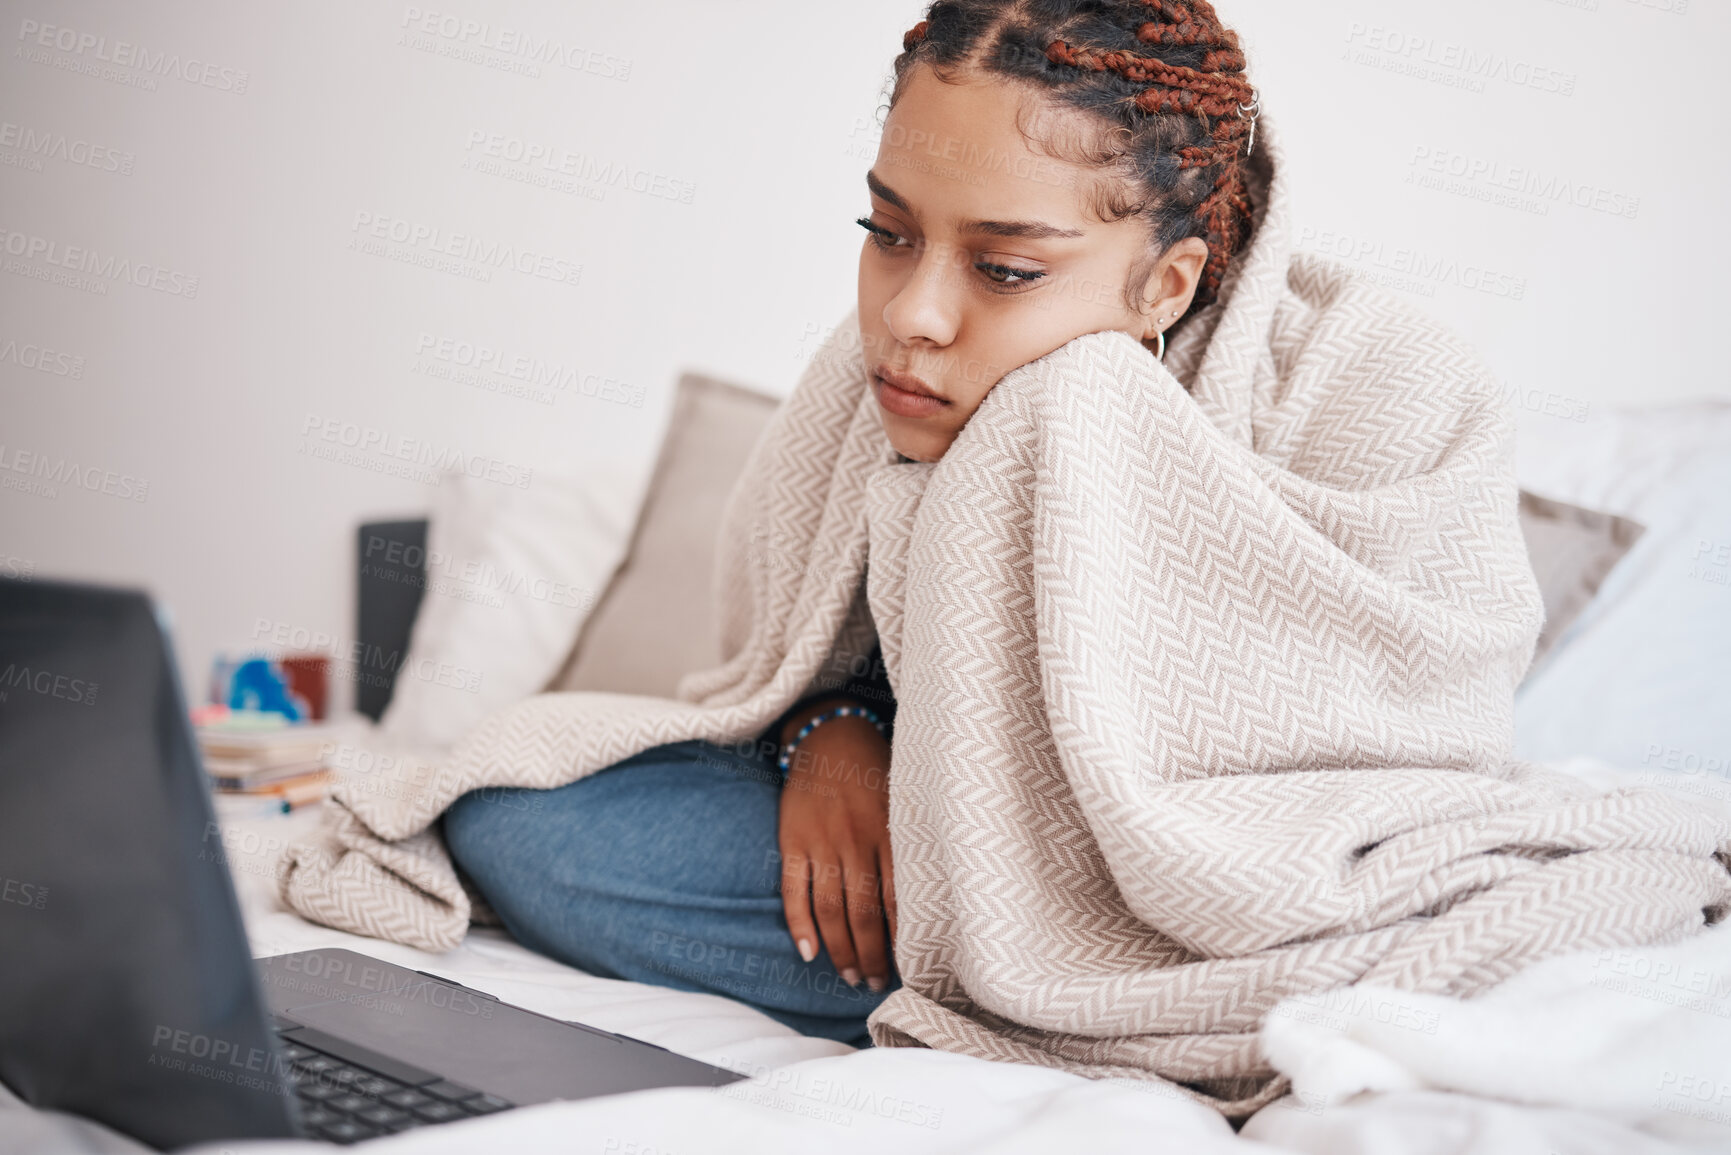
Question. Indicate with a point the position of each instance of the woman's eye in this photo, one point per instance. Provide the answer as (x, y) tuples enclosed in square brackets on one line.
[(881, 237), (1008, 274), (1003, 277)]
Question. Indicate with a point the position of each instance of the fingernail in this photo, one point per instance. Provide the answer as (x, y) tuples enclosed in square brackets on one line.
[(850, 977), (806, 950), (875, 983)]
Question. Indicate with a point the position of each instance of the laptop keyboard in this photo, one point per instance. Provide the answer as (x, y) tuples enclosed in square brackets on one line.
[(346, 1103)]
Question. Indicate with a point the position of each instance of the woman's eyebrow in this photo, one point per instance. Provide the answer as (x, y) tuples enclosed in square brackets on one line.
[(1034, 230), (885, 192)]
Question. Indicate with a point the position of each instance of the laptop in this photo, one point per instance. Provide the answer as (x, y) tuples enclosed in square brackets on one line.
[(130, 995)]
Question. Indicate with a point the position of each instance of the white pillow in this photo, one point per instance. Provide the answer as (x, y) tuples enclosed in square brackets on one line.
[(1642, 679), (512, 572)]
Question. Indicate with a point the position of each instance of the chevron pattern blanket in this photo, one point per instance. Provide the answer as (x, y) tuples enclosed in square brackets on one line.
[(1205, 673)]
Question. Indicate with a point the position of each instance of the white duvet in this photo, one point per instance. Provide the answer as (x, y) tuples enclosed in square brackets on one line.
[(811, 1095)]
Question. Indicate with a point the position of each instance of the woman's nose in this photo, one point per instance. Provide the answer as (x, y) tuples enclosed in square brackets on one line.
[(926, 308)]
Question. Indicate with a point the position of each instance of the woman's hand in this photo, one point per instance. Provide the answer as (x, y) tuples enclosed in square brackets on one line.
[(835, 848)]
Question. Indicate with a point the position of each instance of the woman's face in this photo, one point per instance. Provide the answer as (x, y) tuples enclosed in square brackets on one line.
[(983, 255)]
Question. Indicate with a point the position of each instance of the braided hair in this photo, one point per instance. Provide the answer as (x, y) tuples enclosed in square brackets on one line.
[(1165, 75)]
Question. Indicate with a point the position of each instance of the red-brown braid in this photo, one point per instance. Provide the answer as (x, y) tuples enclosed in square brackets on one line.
[(1217, 89), (1212, 88)]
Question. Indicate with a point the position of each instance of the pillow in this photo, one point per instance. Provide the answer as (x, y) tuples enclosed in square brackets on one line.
[(656, 622), (1640, 679), (511, 574), (1572, 549)]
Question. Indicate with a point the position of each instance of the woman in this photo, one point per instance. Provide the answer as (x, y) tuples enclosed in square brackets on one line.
[(693, 865), (1203, 658)]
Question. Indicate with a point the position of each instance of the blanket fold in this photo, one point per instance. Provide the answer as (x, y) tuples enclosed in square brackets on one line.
[(1204, 671)]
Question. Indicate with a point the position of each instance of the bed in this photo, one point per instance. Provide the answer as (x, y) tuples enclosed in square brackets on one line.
[(1650, 566)]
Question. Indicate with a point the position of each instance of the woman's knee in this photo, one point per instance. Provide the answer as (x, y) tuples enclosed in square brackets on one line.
[(686, 818), (476, 822), (493, 835)]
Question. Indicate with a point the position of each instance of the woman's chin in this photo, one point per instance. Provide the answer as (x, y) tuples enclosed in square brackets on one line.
[(916, 447)]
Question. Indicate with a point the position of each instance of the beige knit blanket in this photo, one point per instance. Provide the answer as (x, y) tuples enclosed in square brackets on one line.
[(1204, 674)]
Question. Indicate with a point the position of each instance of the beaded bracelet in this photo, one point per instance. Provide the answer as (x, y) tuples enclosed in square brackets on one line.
[(820, 719)]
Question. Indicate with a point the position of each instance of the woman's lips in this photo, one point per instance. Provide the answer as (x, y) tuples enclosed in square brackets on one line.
[(898, 393)]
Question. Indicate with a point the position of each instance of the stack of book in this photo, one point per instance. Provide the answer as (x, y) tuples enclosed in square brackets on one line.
[(249, 753)]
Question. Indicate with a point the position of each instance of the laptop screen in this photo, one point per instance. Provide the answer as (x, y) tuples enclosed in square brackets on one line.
[(130, 996)]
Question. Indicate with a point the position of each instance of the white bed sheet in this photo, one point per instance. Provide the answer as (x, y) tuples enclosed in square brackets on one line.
[(804, 1094), (810, 1094), (814, 1095)]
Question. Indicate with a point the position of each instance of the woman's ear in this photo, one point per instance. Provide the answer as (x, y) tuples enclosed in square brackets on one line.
[(1172, 284)]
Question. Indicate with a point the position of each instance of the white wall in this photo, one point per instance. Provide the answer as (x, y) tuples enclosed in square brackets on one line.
[(748, 121)]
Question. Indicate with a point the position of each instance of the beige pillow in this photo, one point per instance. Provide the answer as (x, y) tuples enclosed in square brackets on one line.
[(656, 621), (1572, 550)]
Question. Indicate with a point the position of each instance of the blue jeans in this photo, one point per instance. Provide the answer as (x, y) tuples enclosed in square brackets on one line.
[(664, 868)]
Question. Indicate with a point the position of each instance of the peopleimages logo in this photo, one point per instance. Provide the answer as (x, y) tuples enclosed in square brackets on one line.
[(418, 451), (959, 159), (45, 471), (481, 365), (123, 54), (218, 1059), (41, 358), (20, 893), (363, 662), (1460, 65), (458, 31), (433, 241), (41, 144), (1424, 269), (1521, 180), (90, 262), (555, 160), (47, 683)]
